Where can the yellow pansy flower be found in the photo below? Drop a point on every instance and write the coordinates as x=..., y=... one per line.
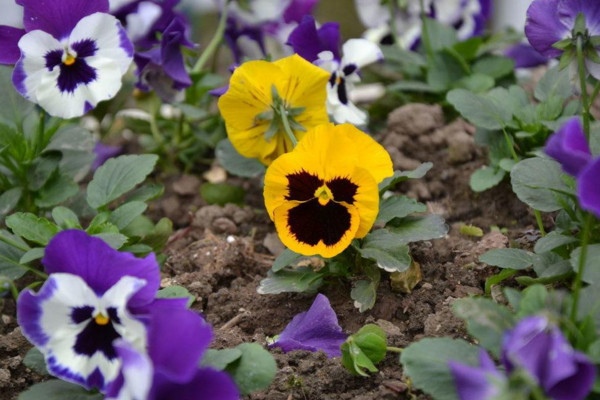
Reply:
x=265, y=96
x=325, y=192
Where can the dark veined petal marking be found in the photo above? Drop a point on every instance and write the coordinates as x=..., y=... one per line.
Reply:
x=94, y=338
x=85, y=48
x=342, y=189
x=341, y=91
x=349, y=69
x=71, y=76
x=80, y=314
x=53, y=59
x=311, y=222
x=302, y=186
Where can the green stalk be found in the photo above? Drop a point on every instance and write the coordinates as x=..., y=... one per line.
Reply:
x=286, y=125
x=394, y=349
x=510, y=145
x=215, y=42
x=426, y=39
x=538, y=218
x=585, y=238
x=584, y=94
x=595, y=93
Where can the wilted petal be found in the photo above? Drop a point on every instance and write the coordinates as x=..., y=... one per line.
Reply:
x=313, y=330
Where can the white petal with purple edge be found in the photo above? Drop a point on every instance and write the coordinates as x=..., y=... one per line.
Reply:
x=137, y=373
x=12, y=14
x=360, y=52
x=76, y=347
x=140, y=22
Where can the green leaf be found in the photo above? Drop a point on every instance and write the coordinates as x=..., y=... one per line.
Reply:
x=548, y=264
x=34, y=359
x=486, y=178
x=508, y=258
x=287, y=257
x=401, y=176
x=533, y=300
x=11, y=255
x=398, y=207
x=554, y=83
x=476, y=83
x=58, y=390
x=126, y=213
x=220, y=359
x=58, y=189
x=254, y=370
x=486, y=321
x=113, y=239
x=33, y=254
x=176, y=292
x=32, y=228
x=42, y=169
x=118, y=176
x=495, y=66
x=235, y=163
x=535, y=182
x=591, y=273
x=9, y=200
x=222, y=193
x=158, y=237
x=426, y=364
x=418, y=228
x=296, y=280
x=411, y=86
x=552, y=241
x=444, y=70
x=479, y=110
x=65, y=218
x=364, y=349
x=440, y=36
x=384, y=248
x=13, y=107
x=364, y=294
x=71, y=138
x=146, y=193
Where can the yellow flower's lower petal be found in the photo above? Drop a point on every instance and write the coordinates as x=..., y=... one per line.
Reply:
x=309, y=228
x=366, y=200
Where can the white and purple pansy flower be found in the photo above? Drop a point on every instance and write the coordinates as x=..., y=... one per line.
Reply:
x=11, y=30
x=322, y=47
x=73, y=55
x=93, y=296
x=169, y=369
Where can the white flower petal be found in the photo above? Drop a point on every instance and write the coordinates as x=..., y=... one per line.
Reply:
x=140, y=22
x=12, y=14
x=360, y=52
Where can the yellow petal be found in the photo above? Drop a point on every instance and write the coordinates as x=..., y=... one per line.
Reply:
x=307, y=232
x=366, y=200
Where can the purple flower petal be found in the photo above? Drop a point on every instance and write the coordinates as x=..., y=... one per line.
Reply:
x=313, y=330
x=308, y=42
x=569, y=147
x=570, y=9
x=297, y=9
x=58, y=17
x=473, y=383
x=177, y=338
x=525, y=56
x=9, y=44
x=100, y=266
x=526, y=346
x=588, y=189
x=206, y=384
x=173, y=64
x=544, y=27
x=103, y=153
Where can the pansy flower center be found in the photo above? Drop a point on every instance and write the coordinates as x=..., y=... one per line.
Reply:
x=324, y=195
x=100, y=319
x=69, y=59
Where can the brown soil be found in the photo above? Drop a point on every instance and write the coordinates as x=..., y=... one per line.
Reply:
x=221, y=254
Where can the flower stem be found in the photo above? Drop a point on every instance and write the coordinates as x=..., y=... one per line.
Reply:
x=585, y=238
x=395, y=349
x=214, y=42
x=582, y=82
x=286, y=125
x=538, y=218
x=510, y=145
x=425, y=30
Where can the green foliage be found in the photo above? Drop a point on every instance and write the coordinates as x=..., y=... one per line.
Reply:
x=508, y=258
x=176, y=292
x=34, y=359
x=235, y=163
x=222, y=193
x=58, y=390
x=364, y=349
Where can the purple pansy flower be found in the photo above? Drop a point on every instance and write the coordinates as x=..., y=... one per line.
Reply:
x=569, y=147
x=525, y=56
x=313, y=330
x=322, y=47
x=103, y=153
x=170, y=369
x=550, y=21
x=588, y=189
x=72, y=57
x=477, y=383
x=468, y=17
x=89, y=300
x=163, y=68
x=538, y=347
x=245, y=41
x=11, y=31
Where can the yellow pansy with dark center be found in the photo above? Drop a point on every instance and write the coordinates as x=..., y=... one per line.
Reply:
x=265, y=96
x=325, y=193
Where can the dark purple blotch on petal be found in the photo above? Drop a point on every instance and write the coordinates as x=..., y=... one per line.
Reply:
x=569, y=147
x=473, y=382
x=308, y=41
x=314, y=330
x=97, y=338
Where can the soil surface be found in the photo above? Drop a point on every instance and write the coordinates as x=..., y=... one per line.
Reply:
x=220, y=254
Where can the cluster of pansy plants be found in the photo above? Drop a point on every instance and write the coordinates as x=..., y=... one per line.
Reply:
x=100, y=322
x=326, y=185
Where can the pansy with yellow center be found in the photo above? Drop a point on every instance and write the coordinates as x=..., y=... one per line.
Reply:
x=325, y=192
x=270, y=105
